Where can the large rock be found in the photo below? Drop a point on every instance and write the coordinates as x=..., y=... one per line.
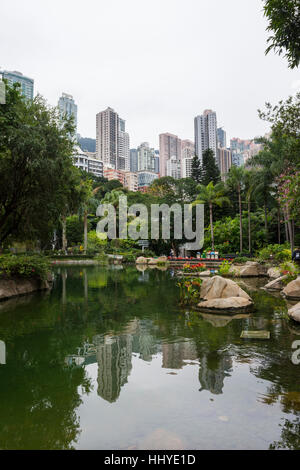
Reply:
x=141, y=260
x=204, y=273
x=220, y=287
x=292, y=290
x=274, y=273
x=228, y=304
x=13, y=287
x=161, y=259
x=276, y=284
x=294, y=312
x=250, y=269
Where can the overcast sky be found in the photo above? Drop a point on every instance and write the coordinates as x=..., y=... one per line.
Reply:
x=158, y=63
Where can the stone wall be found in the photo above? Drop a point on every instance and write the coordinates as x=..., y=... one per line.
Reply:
x=14, y=287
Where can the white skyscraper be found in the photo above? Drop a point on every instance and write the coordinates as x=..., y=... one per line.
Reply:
x=206, y=133
x=68, y=107
x=174, y=167
x=123, y=161
x=146, y=157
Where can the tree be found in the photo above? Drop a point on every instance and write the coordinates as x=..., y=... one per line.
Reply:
x=279, y=158
x=250, y=185
x=284, y=23
x=209, y=169
x=235, y=181
x=196, y=169
x=211, y=195
x=36, y=171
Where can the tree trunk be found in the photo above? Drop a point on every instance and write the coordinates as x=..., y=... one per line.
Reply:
x=64, y=233
x=241, y=225
x=85, y=231
x=266, y=219
x=249, y=224
x=278, y=226
x=211, y=227
x=286, y=226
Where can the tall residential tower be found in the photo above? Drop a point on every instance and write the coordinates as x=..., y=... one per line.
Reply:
x=112, y=141
x=206, y=133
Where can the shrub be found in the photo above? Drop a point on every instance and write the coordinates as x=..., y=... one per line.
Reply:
x=289, y=269
x=102, y=258
x=277, y=252
x=24, y=266
x=241, y=259
x=224, y=268
x=94, y=242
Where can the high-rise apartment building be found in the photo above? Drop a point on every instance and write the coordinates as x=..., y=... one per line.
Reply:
x=221, y=135
x=131, y=181
x=187, y=149
x=224, y=162
x=133, y=160
x=174, y=168
x=186, y=167
x=145, y=179
x=112, y=141
x=26, y=83
x=146, y=157
x=169, y=146
x=205, y=133
x=68, y=107
x=156, y=162
x=242, y=150
x=123, y=160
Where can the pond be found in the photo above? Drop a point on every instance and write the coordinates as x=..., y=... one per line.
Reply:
x=109, y=360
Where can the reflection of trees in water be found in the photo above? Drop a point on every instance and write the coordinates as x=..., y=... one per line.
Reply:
x=290, y=436
x=38, y=402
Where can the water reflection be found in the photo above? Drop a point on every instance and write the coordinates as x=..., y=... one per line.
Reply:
x=114, y=344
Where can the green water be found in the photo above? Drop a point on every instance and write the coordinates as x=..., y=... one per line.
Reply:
x=108, y=360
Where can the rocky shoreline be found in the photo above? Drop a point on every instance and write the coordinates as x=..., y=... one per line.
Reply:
x=20, y=286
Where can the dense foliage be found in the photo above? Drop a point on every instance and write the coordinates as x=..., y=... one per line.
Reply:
x=284, y=24
x=34, y=266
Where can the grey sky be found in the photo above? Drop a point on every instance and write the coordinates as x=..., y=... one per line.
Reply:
x=157, y=63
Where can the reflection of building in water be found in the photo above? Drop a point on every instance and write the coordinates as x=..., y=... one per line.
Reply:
x=114, y=364
x=2, y=353
x=174, y=354
x=213, y=370
x=143, y=340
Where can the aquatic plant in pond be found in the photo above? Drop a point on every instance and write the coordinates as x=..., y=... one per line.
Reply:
x=189, y=291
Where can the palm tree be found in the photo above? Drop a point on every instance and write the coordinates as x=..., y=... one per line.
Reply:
x=250, y=179
x=211, y=195
x=235, y=181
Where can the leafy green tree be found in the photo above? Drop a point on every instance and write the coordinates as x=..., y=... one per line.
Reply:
x=196, y=169
x=284, y=25
x=250, y=185
x=36, y=171
x=235, y=181
x=209, y=169
x=211, y=195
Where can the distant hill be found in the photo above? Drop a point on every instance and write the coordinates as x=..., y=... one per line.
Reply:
x=87, y=144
